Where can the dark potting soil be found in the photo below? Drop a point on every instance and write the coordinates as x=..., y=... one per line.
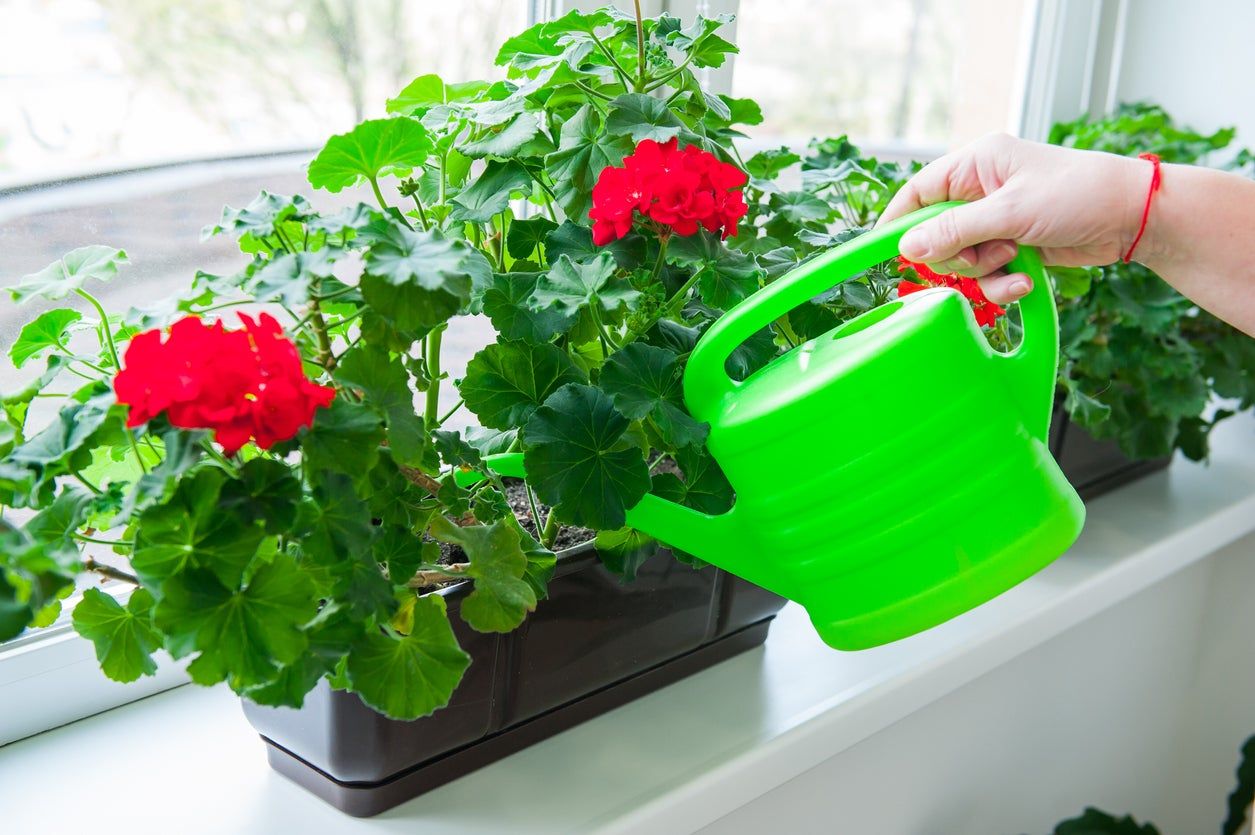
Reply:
x=516, y=497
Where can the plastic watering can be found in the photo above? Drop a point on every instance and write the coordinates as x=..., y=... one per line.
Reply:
x=889, y=474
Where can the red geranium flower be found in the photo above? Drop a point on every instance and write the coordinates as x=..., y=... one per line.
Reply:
x=243, y=384
x=683, y=190
x=987, y=312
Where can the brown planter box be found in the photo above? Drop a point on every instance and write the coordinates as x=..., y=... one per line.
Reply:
x=595, y=644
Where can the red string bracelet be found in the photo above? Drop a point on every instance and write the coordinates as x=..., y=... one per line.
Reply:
x=1155, y=179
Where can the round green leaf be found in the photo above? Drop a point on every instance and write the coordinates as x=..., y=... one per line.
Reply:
x=123, y=636
x=46, y=331
x=406, y=677
x=69, y=273
x=579, y=461
x=507, y=381
x=373, y=148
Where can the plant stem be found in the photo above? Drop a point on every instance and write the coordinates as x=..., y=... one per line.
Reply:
x=422, y=214
x=374, y=185
x=501, y=247
x=663, y=81
x=96, y=541
x=79, y=476
x=451, y=412
x=104, y=327
x=601, y=328
x=436, y=575
x=640, y=47
x=319, y=324
x=431, y=413
x=420, y=478
x=591, y=91
x=618, y=68
x=531, y=502
x=135, y=450
x=217, y=456
x=550, y=531
x=109, y=571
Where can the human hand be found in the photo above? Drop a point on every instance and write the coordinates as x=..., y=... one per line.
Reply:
x=1081, y=208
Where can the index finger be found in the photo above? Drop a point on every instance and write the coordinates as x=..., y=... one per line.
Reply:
x=935, y=183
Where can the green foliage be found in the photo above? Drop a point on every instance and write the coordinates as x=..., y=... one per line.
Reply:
x=374, y=148
x=1140, y=361
x=321, y=556
x=69, y=273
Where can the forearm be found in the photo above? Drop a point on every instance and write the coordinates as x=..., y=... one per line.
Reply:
x=1200, y=238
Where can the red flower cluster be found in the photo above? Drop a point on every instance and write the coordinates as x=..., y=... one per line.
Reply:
x=243, y=384
x=682, y=189
x=986, y=311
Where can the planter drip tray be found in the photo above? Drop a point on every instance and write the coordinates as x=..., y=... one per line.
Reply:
x=363, y=799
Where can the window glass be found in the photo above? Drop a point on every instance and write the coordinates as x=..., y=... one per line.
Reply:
x=97, y=84
x=96, y=95
x=918, y=74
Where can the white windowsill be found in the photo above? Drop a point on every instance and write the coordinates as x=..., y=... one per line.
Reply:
x=673, y=761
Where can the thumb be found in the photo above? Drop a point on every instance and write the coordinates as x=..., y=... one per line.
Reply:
x=949, y=233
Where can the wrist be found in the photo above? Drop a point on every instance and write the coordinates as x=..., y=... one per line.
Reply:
x=1141, y=233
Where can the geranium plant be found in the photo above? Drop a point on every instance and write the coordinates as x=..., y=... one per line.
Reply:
x=265, y=458
x=1140, y=362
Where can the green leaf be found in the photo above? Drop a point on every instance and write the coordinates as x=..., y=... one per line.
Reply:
x=800, y=207
x=454, y=450
x=508, y=304
x=541, y=562
x=584, y=150
x=48, y=330
x=417, y=279
x=573, y=241
x=725, y=276
x=123, y=636
x=375, y=147
x=642, y=117
x=266, y=491
x=411, y=676
x=490, y=195
x=502, y=597
x=345, y=438
x=193, y=530
x=528, y=235
x=703, y=487
x=507, y=381
x=767, y=165
x=67, y=435
x=181, y=450
x=625, y=550
x=570, y=287
x=427, y=90
x=260, y=219
x=645, y=380
x=287, y=278
x=243, y=636
x=69, y=273
x=335, y=521
x=506, y=141
x=385, y=387
x=579, y=461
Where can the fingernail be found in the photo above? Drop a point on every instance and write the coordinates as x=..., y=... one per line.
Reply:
x=1007, y=251
x=914, y=246
x=1020, y=287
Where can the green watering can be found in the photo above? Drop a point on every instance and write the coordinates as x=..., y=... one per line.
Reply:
x=889, y=474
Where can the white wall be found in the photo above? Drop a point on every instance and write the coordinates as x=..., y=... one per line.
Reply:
x=1141, y=709
x=1195, y=58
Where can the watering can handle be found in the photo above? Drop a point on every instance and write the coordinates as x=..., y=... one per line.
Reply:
x=707, y=384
